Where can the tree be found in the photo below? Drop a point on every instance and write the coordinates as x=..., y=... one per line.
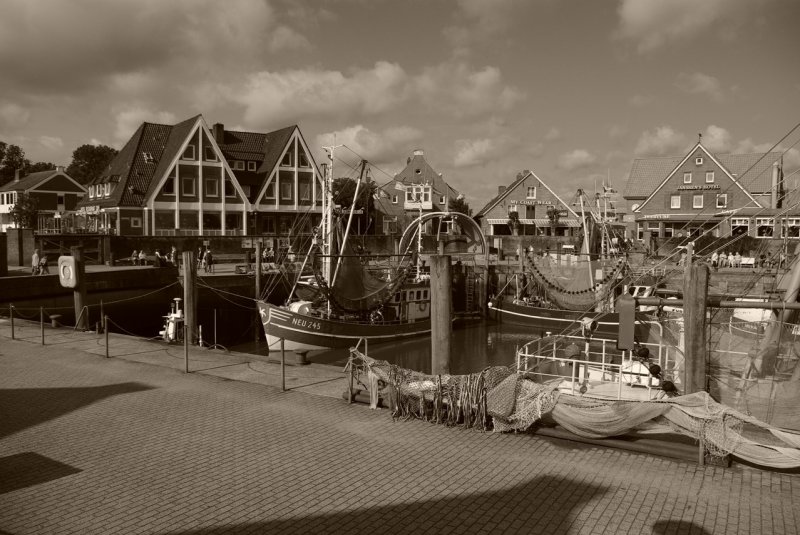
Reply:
x=25, y=211
x=90, y=162
x=344, y=190
x=13, y=159
x=460, y=205
x=513, y=222
x=40, y=166
x=553, y=216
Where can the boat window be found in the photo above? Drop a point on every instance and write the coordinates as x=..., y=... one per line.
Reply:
x=419, y=295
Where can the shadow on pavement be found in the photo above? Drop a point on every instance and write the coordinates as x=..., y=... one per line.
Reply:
x=28, y=469
x=21, y=408
x=542, y=505
x=662, y=527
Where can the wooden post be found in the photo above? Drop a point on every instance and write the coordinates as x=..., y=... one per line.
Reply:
x=258, y=287
x=186, y=331
x=11, y=315
x=79, y=293
x=190, y=296
x=695, y=294
x=441, y=310
x=283, y=369
x=41, y=322
x=102, y=316
x=105, y=329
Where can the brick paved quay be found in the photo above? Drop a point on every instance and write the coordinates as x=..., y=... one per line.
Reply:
x=131, y=444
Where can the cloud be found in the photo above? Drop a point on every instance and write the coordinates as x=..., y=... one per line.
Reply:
x=49, y=46
x=716, y=139
x=128, y=120
x=652, y=24
x=50, y=142
x=479, y=21
x=386, y=146
x=455, y=88
x=640, y=101
x=616, y=131
x=470, y=152
x=13, y=115
x=554, y=134
x=700, y=84
x=661, y=142
x=576, y=159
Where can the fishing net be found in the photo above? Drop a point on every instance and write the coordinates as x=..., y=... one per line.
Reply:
x=574, y=285
x=499, y=399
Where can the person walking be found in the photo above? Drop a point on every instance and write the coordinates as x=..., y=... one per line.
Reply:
x=43, y=265
x=35, y=262
x=208, y=261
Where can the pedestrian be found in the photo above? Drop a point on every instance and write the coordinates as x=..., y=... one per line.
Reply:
x=173, y=256
x=200, y=254
x=159, y=260
x=723, y=260
x=35, y=262
x=714, y=260
x=43, y=265
x=682, y=260
x=737, y=260
x=142, y=258
x=135, y=258
x=208, y=261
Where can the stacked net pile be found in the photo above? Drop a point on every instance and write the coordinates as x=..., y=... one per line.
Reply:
x=502, y=400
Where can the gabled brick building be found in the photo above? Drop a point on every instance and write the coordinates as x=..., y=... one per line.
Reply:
x=191, y=180
x=701, y=192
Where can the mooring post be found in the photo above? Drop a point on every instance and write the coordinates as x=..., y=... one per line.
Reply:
x=102, y=317
x=79, y=293
x=11, y=315
x=695, y=295
x=105, y=330
x=441, y=310
x=258, y=288
x=189, y=297
x=41, y=322
x=283, y=368
x=186, y=348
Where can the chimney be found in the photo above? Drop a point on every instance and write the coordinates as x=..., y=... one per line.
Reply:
x=16, y=175
x=419, y=152
x=774, y=189
x=219, y=133
x=59, y=169
x=501, y=190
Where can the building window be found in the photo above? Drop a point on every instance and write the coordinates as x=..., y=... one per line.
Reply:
x=709, y=177
x=531, y=192
x=687, y=177
x=740, y=226
x=791, y=228
x=269, y=194
x=169, y=186
x=107, y=188
x=722, y=200
x=238, y=165
x=394, y=199
x=251, y=166
x=639, y=232
x=765, y=227
x=513, y=208
x=675, y=202
x=698, y=160
x=442, y=200
x=187, y=185
x=60, y=199
x=211, y=154
x=286, y=191
x=136, y=222
x=91, y=192
x=389, y=225
x=212, y=187
x=669, y=230
x=697, y=201
x=188, y=154
x=230, y=190
x=288, y=160
x=303, y=160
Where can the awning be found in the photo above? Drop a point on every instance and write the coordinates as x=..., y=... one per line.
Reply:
x=569, y=223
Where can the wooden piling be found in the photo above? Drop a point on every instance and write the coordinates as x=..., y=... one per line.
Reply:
x=441, y=313
x=79, y=293
x=190, y=296
x=695, y=296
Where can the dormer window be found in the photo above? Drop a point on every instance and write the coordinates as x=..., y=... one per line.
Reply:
x=442, y=200
x=251, y=166
x=698, y=160
x=188, y=154
x=91, y=192
x=238, y=165
x=394, y=199
x=148, y=157
x=107, y=189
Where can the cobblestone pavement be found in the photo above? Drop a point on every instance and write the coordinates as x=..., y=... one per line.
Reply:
x=94, y=445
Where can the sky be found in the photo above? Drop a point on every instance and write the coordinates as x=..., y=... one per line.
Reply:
x=571, y=90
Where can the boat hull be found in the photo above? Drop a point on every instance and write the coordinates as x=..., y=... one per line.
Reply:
x=555, y=321
x=302, y=332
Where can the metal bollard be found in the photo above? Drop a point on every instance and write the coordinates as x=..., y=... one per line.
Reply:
x=283, y=371
x=105, y=328
x=186, y=348
x=41, y=322
x=11, y=315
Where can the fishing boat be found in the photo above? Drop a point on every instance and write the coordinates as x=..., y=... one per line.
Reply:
x=556, y=293
x=353, y=296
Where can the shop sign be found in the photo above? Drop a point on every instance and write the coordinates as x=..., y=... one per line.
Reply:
x=703, y=186
x=529, y=202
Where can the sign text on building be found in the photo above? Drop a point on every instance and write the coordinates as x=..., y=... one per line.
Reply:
x=704, y=186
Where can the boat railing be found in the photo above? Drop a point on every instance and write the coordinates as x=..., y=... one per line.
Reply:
x=595, y=366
